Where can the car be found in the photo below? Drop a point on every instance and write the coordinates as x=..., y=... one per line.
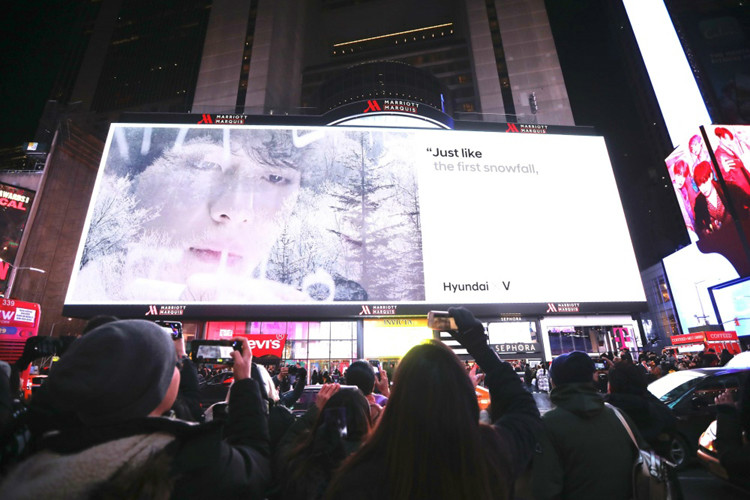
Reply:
x=690, y=394
x=306, y=400
x=709, y=458
x=741, y=360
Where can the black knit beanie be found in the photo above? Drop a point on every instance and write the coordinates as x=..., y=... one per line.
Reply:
x=117, y=371
x=570, y=368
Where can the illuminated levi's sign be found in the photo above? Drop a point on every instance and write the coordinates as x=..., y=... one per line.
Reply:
x=265, y=344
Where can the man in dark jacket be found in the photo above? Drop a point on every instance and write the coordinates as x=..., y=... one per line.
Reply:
x=655, y=421
x=585, y=452
x=105, y=437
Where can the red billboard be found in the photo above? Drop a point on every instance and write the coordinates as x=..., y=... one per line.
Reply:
x=15, y=205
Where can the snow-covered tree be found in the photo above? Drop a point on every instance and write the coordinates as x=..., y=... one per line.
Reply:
x=115, y=221
x=371, y=220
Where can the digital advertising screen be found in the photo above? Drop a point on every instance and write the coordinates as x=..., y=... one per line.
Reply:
x=292, y=223
x=15, y=206
x=714, y=198
x=732, y=303
x=691, y=274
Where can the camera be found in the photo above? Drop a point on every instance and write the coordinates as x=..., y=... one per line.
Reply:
x=600, y=365
x=215, y=352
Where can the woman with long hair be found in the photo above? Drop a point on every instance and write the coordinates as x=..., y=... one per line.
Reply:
x=429, y=442
x=320, y=440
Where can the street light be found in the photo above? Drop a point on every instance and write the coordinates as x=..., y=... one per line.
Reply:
x=12, y=278
x=19, y=268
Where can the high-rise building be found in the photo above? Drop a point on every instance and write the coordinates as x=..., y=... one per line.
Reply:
x=471, y=60
x=492, y=59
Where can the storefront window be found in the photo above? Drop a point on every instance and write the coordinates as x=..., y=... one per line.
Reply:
x=318, y=349
x=392, y=338
x=563, y=340
x=343, y=331
x=298, y=349
x=319, y=331
x=343, y=349
x=324, y=344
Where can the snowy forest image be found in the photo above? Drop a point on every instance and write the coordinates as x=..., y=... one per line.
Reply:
x=358, y=221
x=338, y=221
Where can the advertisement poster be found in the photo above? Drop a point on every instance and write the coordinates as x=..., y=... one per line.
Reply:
x=285, y=222
x=15, y=205
x=707, y=205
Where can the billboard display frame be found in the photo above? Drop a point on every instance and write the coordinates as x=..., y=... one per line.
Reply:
x=712, y=187
x=354, y=305
x=15, y=208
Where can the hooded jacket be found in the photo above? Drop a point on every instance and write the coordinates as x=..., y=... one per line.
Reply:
x=165, y=458
x=584, y=451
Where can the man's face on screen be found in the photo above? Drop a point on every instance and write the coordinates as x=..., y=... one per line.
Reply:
x=222, y=208
x=707, y=188
x=679, y=180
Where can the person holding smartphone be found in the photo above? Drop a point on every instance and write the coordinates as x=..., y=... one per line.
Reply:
x=429, y=442
x=101, y=432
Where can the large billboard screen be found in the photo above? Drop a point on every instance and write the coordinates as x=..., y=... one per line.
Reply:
x=15, y=206
x=709, y=192
x=731, y=301
x=339, y=222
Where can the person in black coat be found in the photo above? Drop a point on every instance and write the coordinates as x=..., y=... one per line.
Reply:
x=429, y=442
x=105, y=436
x=628, y=392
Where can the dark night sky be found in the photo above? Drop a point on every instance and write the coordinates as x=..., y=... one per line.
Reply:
x=37, y=37
x=601, y=91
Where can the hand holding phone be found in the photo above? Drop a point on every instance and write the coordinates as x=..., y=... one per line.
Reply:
x=441, y=321
x=243, y=358
x=325, y=394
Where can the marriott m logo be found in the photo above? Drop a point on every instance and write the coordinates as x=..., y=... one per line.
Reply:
x=512, y=127
x=365, y=310
x=372, y=106
x=551, y=308
x=152, y=311
x=206, y=119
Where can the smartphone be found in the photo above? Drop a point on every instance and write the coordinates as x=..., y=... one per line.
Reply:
x=336, y=418
x=376, y=367
x=441, y=321
x=600, y=366
x=215, y=352
x=174, y=328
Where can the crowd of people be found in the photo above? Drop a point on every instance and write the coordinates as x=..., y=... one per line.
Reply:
x=119, y=418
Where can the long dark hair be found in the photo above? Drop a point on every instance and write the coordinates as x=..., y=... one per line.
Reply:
x=429, y=443
x=311, y=463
